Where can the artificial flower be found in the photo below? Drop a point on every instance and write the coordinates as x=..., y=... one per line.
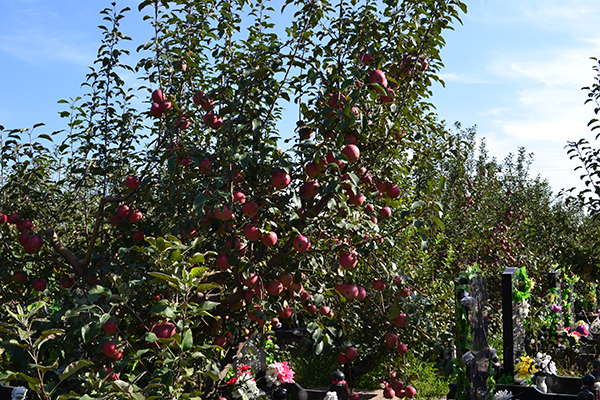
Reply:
x=278, y=373
x=503, y=395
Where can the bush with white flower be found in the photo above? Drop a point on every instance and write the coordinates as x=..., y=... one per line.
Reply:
x=243, y=384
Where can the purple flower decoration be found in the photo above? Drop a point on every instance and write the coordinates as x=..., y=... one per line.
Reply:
x=556, y=308
x=582, y=330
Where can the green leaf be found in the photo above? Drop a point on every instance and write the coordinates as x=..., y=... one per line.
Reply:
x=208, y=305
x=89, y=331
x=165, y=277
x=318, y=348
x=199, y=202
x=73, y=368
x=188, y=340
x=47, y=335
x=44, y=368
x=196, y=258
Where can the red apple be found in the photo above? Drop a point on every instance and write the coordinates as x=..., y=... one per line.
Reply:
x=351, y=138
x=350, y=353
x=164, y=330
x=205, y=166
x=109, y=349
x=25, y=225
x=286, y=279
x=301, y=244
x=250, y=280
x=352, y=152
x=250, y=209
x=410, y=392
x=109, y=327
x=398, y=280
x=324, y=310
x=156, y=110
x=336, y=100
x=203, y=100
x=309, y=189
x=212, y=120
x=348, y=260
x=285, y=313
x=404, y=292
x=13, y=218
x=66, y=281
x=137, y=236
x=251, y=233
x=385, y=212
x=312, y=169
x=378, y=284
x=3, y=218
x=135, y=216
x=350, y=291
x=23, y=238
x=393, y=191
x=402, y=349
x=401, y=320
x=223, y=214
x=342, y=358
x=358, y=199
x=158, y=96
x=20, y=276
x=367, y=58
x=132, y=182
x=275, y=288
x=269, y=239
x=123, y=210
x=391, y=339
x=378, y=76
x=182, y=123
x=239, y=197
x=39, y=285
x=389, y=393
x=397, y=386
x=354, y=396
x=362, y=293
x=280, y=179
x=223, y=261
x=114, y=220
x=311, y=308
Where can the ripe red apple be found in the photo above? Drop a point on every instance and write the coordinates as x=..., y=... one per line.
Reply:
x=164, y=330
x=182, y=123
x=212, y=120
x=352, y=152
x=378, y=284
x=250, y=209
x=109, y=349
x=350, y=353
x=401, y=394
x=137, y=236
x=367, y=58
x=269, y=239
x=336, y=100
x=348, y=260
x=378, y=76
x=220, y=341
x=398, y=280
x=239, y=197
x=20, y=276
x=250, y=280
x=410, y=392
x=391, y=339
x=312, y=169
x=13, y=218
x=354, y=396
x=123, y=210
x=275, y=288
x=285, y=313
x=324, y=310
x=223, y=214
x=309, y=189
x=158, y=96
x=301, y=244
x=251, y=232
x=389, y=393
x=350, y=291
x=393, y=191
x=286, y=279
x=135, y=216
x=35, y=242
x=397, y=386
x=404, y=292
x=156, y=110
x=385, y=212
x=280, y=179
x=401, y=320
x=342, y=358
x=3, y=218
x=205, y=166
x=223, y=261
x=304, y=295
x=66, y=281
x=132, y=182
x=109, y=327
x=358, y=199
x=203, y=100
x=25, y=225
x=114, y=220
x=311, y=308
x=402, y=349
x=39, y=285
x=362, y=293
x=23, y=238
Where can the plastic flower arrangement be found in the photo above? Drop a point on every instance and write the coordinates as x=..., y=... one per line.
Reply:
x=582, y=328
x=503, y=395
x=526, y=368
x=279, y=373
x=243, y=384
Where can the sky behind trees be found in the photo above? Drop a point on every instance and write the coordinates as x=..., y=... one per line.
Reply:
x=515, y=69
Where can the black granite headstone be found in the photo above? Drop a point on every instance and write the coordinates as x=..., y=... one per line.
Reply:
x=513, y=330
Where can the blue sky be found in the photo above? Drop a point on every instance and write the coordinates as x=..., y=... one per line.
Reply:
x=515, y=69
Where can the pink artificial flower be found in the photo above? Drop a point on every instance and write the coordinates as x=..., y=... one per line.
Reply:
x=231, y=381
x=286, y=375
x=582, y=329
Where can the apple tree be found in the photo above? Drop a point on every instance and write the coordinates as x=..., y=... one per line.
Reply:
x=173, y=222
